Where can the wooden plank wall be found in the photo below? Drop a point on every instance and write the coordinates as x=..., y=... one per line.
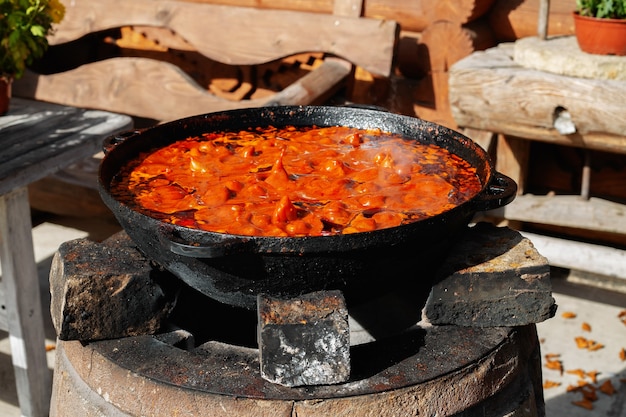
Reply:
x=434, y=35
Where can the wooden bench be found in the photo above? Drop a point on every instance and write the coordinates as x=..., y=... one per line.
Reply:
x=238, y=36
x=494, y=98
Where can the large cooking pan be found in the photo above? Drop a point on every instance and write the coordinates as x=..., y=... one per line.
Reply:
x=235, y=269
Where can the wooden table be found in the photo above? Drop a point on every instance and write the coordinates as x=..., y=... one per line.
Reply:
x=36, y=139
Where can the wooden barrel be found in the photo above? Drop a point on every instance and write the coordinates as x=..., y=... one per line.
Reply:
x=486, y=372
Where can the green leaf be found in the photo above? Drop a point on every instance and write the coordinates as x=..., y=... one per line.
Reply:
x=38, y=30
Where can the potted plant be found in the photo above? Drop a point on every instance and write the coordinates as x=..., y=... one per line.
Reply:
x=24, y=27
x=600, y=26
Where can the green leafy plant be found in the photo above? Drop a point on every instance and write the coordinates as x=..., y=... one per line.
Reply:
x=611, y=9
x=24, y=27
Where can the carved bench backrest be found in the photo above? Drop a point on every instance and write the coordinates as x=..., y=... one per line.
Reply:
x=232, y=35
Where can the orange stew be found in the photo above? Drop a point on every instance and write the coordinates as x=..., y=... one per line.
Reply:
x=296, y=181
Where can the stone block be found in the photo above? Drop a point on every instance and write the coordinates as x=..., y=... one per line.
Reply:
x=106, y=290
x=304, y=340
x=493, y=277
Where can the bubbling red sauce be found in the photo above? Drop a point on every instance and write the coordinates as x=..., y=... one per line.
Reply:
x=314, y=181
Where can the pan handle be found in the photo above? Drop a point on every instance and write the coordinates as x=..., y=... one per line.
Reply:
x=206, y=250
x=109, y=143
x=500, y=191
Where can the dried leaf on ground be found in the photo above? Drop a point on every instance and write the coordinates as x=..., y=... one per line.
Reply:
x=578, y=372
x=551, y=384
x=607, y=387
x=584, y=404
x=589, y=392
x=584, y=343
x=555, y=365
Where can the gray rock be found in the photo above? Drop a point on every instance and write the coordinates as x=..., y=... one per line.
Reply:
x=305, y=340
x=104, y=291
x=493, y=277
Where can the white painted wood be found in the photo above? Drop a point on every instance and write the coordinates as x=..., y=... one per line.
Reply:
x=580, y=256
x=23, y=305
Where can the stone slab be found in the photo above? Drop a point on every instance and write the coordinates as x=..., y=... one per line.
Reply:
x=304, y=340
x=561, y=55
x=493, y=277
x=105, y=290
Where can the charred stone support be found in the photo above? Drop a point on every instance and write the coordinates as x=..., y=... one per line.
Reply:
x=304, y=340
x=493, y=277
x=106, y=290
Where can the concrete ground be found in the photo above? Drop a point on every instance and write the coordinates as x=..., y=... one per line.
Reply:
x=596, y=318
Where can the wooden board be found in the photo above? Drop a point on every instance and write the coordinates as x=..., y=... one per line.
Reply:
x=241, y=35
x=568, y=211
x=413, y=15
x=158, y=90
x=20, y=284
x=40, y=138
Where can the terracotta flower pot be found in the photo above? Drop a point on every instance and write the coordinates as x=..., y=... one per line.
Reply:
x=5, y=95
x=600, y=36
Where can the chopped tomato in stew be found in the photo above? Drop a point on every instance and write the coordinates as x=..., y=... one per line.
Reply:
x=292, y=181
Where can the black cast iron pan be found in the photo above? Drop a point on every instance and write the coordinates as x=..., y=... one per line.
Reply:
x=235, y=269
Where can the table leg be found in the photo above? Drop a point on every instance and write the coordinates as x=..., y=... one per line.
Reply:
x=23, y=304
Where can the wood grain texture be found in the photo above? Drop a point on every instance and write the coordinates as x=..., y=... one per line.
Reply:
x=581, y=256
x=513, y=20
x=40, y=138
x=159, y=90
x=488, y=91
x=414, y=15
x=241, y=35
x=512, y=159
x=569, y=211
x=23, y=304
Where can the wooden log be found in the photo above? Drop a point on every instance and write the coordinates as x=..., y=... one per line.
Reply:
x=447, y=42
x=489, y=92
x=513, y=20
x=581, y=256
x=414, y=15
x=268, y=34
x=458, y=11
x=348, y=7
x=441, y=45
x=317, y=6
